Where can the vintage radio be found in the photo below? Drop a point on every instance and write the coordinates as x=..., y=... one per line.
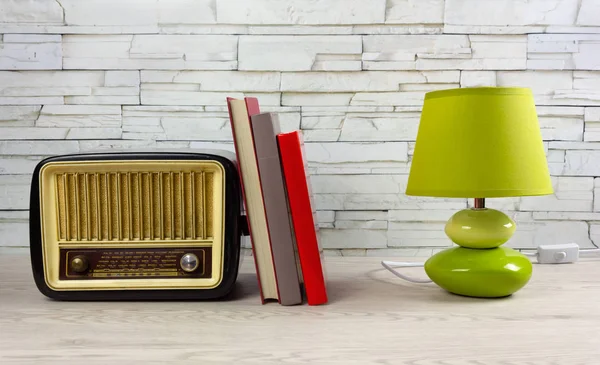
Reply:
x=136, y=225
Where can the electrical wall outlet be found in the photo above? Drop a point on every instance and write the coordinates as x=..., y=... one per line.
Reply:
x=558, y=254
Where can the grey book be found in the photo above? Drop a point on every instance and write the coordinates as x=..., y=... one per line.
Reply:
x=265, y=128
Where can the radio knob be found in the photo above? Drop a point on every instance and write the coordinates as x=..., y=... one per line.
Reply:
x=79, y=264
x=189, y=262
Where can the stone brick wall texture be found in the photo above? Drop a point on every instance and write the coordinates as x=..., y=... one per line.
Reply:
x=84, y=75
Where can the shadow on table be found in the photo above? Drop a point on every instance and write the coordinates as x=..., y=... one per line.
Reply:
x=246, y=286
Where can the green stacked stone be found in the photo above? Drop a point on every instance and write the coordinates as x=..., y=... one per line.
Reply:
x=479, y=267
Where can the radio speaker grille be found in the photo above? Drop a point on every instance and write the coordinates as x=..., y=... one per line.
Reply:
x=117, y=206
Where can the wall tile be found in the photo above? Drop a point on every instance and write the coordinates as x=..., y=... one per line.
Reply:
x=508, y=13
x=582, y=163
x=570, y=194
x=150, y=51
x=556, y=87
x=14, y=192
x=232, y=81
x=103, y=145
x=30, y=52
x=18, y=165
x=347, y=238
x=563, y=52
x=407, y=98
x=364, y=184
x=592, y=125
x=38, y=148
x=31, y=12
x=14, y=228
x=314, y=99
x=380, y=127
x=532, y=234
x=588, y=13
x=420, y=215
x=561, y=123
x=372, y=225
x=355, y=154
x=63, y=87
x=387, y=52
x=300, y=29
x=79, y=116
x=302, y=53
x=19, y=116
x=31, y=133
x=477, y=78
x=363, y=81
x=417, y=235
x=94, y=133
x=138, y=12
x=356, y=215
x=300, y=12
x=415, y=12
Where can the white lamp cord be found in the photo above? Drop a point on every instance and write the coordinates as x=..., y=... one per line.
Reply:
x=573, y=247
x=590, y=250
x=388, y=265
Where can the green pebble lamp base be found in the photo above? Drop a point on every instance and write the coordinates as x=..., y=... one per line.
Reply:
x=488, y=271
x=484, y=273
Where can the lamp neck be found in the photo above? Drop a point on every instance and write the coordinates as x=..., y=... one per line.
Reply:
x=479, y=203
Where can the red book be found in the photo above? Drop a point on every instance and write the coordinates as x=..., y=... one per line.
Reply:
x=291, y=150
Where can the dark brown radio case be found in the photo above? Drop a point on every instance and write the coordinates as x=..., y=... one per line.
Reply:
x=136, y=225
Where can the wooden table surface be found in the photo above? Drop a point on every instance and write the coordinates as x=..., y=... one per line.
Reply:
x=372, y=318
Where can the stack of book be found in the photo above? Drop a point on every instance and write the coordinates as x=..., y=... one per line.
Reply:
x=279, y=207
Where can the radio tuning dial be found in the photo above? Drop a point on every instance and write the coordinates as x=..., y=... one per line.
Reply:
x=79, y=264
x=189, y=262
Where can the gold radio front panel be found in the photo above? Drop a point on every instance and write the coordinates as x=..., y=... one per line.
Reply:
x=137, y=224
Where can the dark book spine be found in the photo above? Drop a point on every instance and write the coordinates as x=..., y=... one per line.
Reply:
x=265, y=128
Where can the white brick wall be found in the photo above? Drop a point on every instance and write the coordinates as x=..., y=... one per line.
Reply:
x=103, y=74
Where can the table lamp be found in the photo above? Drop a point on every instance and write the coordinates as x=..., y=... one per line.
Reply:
x=481, y=142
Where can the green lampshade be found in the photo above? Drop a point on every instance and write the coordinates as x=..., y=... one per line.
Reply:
x=479, y=143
